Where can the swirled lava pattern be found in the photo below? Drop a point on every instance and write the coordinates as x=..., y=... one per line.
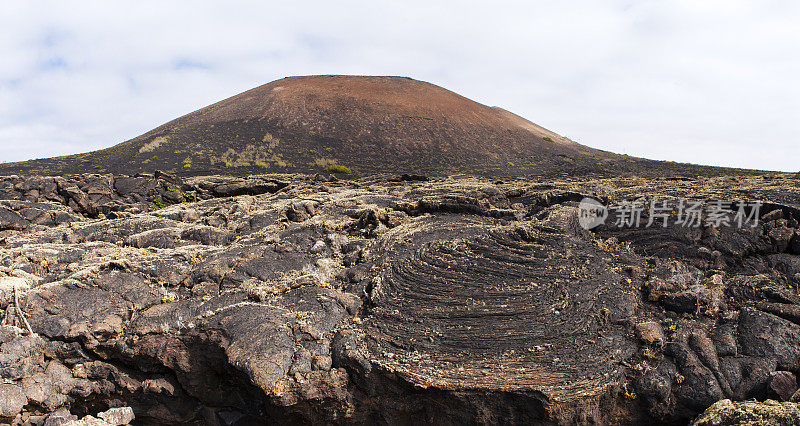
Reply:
x=460, y=305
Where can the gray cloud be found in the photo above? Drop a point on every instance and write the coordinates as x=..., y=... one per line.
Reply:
x=707, y=82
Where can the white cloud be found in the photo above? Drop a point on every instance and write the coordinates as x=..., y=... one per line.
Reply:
x=709, y=82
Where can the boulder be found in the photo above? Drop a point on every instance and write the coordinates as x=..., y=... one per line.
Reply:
x=12, y=400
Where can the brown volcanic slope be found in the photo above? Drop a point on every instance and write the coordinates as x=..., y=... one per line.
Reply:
x=368, y=124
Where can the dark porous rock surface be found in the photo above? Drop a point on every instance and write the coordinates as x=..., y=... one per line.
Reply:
x=727, y=412
x=391, y=300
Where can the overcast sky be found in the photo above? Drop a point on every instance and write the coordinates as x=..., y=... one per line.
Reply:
x=712, y=82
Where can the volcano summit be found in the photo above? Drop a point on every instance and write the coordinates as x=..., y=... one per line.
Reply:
x=369, y=125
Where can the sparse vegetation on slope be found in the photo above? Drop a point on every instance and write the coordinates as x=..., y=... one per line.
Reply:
x=337, y=168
